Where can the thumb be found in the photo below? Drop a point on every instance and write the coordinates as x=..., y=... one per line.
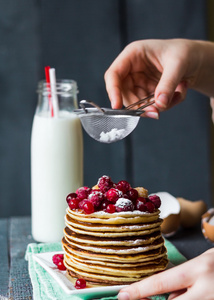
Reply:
x=169, y=83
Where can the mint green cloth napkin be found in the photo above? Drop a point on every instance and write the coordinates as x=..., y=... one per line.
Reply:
x=46, y=288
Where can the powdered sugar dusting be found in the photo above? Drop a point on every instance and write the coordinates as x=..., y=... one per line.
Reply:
x=97, y=193
x=135, y=213
x=101, y=178
x=123, y=202
x=112, y=135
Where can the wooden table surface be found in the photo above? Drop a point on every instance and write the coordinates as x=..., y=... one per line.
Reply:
x=15, y=235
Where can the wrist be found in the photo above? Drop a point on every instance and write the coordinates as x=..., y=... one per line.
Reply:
x=205, y=74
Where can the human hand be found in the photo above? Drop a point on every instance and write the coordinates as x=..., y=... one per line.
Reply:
x=166, y=67
x=192, y=280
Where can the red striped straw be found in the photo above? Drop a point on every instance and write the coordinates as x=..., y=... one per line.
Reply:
x=47, y=76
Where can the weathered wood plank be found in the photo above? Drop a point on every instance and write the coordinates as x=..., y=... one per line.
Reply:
x=4, y=261
x=19, y=237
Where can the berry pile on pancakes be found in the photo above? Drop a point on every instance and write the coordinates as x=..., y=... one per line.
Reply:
x=112, y=234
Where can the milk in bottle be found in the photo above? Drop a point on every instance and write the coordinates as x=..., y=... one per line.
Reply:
x=56, y=160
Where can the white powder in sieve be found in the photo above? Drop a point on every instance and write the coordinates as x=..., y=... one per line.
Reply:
x=111, y=136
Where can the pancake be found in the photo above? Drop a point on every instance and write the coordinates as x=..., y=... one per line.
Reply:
x=120, y=249
x=133, y=272
x=139, y=257
x=107, y=241
x=110, y=227
x=115, y=234
x=127, y=217
x=113, y=263
x=113, y=248
x=114, y=276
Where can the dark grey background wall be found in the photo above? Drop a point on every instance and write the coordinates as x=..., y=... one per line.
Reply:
x=80, y=39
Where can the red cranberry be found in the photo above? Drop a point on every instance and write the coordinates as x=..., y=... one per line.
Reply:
x=81, y=203
x=140, y=205
x=105, y=183
x=88, y=207
x=74, y=203
x=123, y=186
x=123, y=204
x=96, y=198
x=155, y=200
x=104, y=204
x=61, y=266
x=150, y=207
x=132, y=194
x=71, y=196
x=113, y=195
x=142, y=199
x=83, y=192
x=110, y=208
x=80, y=283
x=57, y=258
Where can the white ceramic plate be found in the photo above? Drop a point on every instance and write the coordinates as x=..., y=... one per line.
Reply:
x=45, y=260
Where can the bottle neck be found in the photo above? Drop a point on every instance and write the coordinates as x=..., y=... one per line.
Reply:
x=60, y=97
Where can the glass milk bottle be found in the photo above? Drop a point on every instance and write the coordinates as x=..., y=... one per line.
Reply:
x=56, y=159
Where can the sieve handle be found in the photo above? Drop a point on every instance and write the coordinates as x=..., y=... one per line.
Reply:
x=145, y=105
x=84, y=102
x=147, y=101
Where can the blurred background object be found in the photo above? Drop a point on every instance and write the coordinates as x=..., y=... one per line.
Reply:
x=80, y=39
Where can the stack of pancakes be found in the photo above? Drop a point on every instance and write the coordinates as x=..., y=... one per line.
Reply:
x=113, y=249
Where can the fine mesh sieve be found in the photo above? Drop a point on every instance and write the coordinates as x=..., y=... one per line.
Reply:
x=110, y=125
x=108, y=128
